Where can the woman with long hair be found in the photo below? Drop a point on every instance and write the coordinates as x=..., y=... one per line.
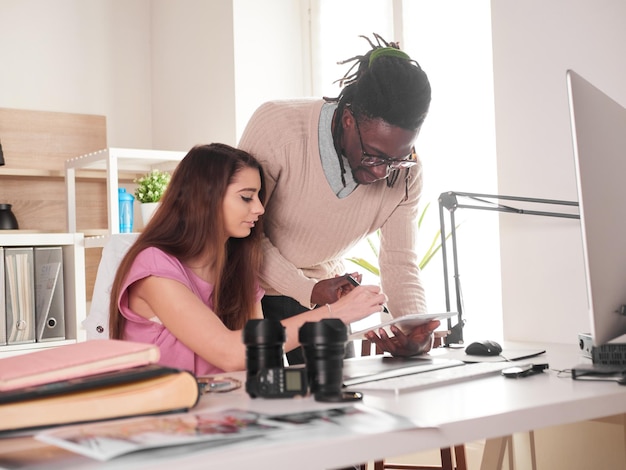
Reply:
x=190, y=282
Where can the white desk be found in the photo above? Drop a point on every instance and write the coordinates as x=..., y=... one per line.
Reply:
x=464, y=412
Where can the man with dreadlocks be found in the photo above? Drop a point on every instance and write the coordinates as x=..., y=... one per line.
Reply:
x=337, y=170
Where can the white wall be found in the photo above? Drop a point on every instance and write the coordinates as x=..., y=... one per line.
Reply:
x=162, y=72
x=193, y=73
x=214, y=62
x=535, y=42
x=271, y=48
x=79, y=56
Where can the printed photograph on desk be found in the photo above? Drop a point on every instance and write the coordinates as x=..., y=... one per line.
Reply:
x=357, y=419
x=110, y=439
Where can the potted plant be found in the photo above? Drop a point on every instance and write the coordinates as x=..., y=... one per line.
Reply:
x=150, y=190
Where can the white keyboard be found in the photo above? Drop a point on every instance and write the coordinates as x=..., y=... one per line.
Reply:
x=436, y=378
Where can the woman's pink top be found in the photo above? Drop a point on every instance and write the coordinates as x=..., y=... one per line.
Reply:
x=154, y=262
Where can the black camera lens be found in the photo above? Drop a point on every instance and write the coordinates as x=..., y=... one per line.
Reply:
x=324, y=345
x=264, y=340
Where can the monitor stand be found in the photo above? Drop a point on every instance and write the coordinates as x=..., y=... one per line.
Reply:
x=606, y=354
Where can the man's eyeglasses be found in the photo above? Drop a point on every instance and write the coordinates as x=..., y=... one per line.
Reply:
x=367, y=159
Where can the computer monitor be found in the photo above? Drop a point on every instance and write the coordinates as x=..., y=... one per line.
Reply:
x=599, y=137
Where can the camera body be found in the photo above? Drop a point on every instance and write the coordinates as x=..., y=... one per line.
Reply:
x=279, y=382
x=323, y=343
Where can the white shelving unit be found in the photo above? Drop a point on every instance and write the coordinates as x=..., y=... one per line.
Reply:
x=73, y=246
x=113, y=160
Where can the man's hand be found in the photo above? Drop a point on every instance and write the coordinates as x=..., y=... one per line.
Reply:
x=328, y=291
x=417, y=341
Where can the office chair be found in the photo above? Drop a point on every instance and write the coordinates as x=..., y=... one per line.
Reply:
x=447, y=462
x=97, y=322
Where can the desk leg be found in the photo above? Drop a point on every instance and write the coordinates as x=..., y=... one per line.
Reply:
x=624, y=429
x=620, y=420
x=493, y=455
x=531, y=446
x=495, y=450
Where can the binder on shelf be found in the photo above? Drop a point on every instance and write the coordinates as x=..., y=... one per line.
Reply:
x=19, y=295
x=3, y=317
x=49, y=297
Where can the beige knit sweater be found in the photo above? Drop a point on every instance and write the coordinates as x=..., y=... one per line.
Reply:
x=309, y=229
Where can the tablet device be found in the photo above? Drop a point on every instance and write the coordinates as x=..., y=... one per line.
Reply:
x=405, y=323
x=359, y=370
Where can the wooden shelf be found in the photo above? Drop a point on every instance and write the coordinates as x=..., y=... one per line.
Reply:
x=84, y=174
x=36, y=145
x=97, y=241
x=30, y=172
x=73, y=246
x=115, y=162
x=15, y=349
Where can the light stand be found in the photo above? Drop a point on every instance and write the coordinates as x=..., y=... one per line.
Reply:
x=490, y=202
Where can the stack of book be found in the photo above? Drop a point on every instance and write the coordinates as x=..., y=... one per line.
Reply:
x=90, y=381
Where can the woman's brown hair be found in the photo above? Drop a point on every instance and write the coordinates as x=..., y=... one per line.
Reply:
x=189, y=223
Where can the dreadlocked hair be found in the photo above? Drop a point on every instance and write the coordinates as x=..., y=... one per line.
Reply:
x=384, y=83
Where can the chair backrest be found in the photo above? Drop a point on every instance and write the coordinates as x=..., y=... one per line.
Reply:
x=97, y=322
x=367, y=346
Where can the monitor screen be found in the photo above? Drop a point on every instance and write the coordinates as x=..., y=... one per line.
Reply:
x=599, y=137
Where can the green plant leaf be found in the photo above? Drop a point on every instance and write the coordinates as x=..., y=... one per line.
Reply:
x=374, y=242
x=421, y=217
x=374, y=245
x=365, y=265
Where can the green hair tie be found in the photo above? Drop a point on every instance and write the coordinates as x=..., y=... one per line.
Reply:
x=388, y=52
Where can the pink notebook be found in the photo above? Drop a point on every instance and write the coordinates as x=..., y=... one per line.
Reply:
x=73, y=360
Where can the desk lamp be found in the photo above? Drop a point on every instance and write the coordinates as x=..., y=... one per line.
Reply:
x=449, y=200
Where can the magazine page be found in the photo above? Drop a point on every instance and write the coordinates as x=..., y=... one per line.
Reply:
x=356, y=419
x=107, y=440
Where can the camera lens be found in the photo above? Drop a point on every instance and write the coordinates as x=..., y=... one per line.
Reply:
x=324, y=345
x=264, y=339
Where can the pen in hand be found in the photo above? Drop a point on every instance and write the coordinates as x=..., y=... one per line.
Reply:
x=355, y=283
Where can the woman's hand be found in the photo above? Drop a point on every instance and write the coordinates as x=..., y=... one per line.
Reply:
x=359, y=303
x=417, y=341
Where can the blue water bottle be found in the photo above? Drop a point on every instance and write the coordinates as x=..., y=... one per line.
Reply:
x=126, y=201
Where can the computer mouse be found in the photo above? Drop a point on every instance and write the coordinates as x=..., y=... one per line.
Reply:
x=484, y=347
